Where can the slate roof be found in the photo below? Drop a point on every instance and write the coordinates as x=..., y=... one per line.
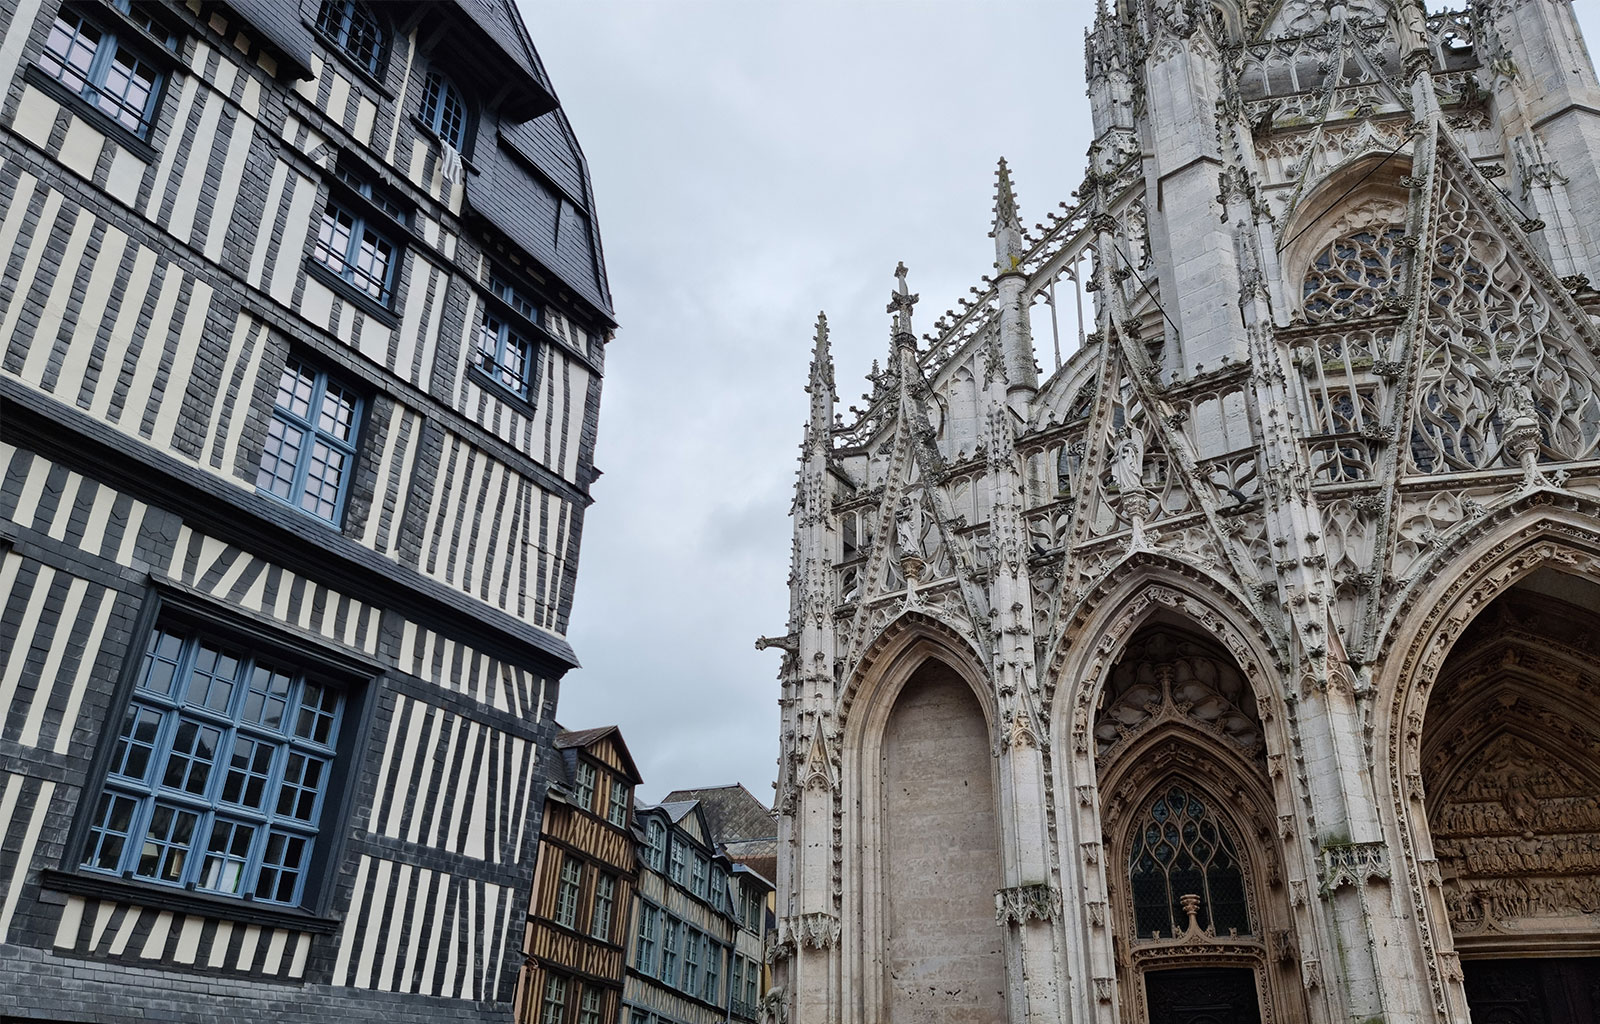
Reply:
x=732, y=812
x=577, y=739
x=281, y=23
x=532, y=183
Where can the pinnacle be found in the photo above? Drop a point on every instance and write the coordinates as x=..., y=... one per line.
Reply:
x=821, y=357
x=1005, y=200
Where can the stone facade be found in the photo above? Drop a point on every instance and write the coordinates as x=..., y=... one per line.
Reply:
x=1246, y=659
x=302, y=325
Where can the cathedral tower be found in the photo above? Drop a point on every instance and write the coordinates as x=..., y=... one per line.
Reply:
x=1245, y=663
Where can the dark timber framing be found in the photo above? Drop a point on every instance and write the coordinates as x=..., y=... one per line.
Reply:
x=151, y=291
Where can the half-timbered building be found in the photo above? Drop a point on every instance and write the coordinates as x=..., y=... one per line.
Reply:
x=698, y=924
x=302, y=315
x=577, y=931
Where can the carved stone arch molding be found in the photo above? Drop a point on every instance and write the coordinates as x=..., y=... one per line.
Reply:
x=1330, y=211
x=1544, y=530
x=1151, y=590
x=916, y=721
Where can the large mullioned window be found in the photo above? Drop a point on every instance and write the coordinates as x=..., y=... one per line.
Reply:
x=352, y=245
x=219, y=772
x=97, y=64
x=311, y=441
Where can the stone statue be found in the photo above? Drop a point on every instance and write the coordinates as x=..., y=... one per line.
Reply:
x=1127, y=462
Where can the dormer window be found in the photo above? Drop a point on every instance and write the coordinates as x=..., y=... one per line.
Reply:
x=444, y=111
x=353, y=28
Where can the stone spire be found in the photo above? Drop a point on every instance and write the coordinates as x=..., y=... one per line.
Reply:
x=820, y=386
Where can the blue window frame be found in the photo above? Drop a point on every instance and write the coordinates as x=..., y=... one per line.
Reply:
x=308, y=456
x=97, y=64
x=351, y=245
x=507, y=351
x=218, y=774
x=649, y=937
x=352, y=27
x=444, y=111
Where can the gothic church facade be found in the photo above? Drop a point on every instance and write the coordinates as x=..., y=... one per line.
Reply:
x=1244, y=666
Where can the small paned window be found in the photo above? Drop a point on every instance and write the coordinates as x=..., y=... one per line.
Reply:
x=506, y=348
x=649, y=931
x=736, y=978
x=352, y=27
x=752, y=983
x=554, y=1006
x=218, y=773
x=617, y=805
x=311, y=441
x=639, y=1017
x=691, y=961
x=589, y=1007
x=583, y=786
x=712, y=989
x=567, y=892
x=669, y=952
x=605, y=897
x=351, y=246
x=697, y=880
x=444, y=111
x=655, y=841
x=679, y=860
x=1182, y=849
x=98, y=65
x=719, y=888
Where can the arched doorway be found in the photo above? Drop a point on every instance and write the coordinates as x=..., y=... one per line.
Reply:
x=1201, y=923
x=941, y=858
x=1510, y=764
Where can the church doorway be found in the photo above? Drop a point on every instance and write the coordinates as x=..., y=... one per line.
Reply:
x=1203, y=995
x=1511, y=781
x=1552, y=990
x=1203, y=928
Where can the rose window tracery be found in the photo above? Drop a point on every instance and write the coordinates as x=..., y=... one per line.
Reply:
x=1181, y=850
x=1354, y=275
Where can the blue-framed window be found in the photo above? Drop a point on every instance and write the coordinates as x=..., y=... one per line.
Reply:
x=719, y=888
x=98, y=64
x=310, y=449
x=644, y=957
x=680, y=855
x=669, y=951
x=713, y=979
x=219, y=772
x=697, y=879
x=352, y=27
x=351, y=244
x=692, y=944
x=444, y=110
x=507, y=351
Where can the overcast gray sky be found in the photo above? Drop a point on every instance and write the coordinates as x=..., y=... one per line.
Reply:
x=754, y=163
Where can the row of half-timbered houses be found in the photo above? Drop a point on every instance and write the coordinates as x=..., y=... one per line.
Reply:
x=302, y=324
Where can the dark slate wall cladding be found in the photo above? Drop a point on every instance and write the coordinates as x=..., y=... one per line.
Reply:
x=151, y=292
